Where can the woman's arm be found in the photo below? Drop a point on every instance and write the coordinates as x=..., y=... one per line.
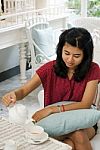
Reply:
x=28, y=87
x=21, y=92
x=88, y=97
x=86, y=102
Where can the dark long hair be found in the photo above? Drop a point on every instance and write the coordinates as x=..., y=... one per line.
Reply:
x=77, y=37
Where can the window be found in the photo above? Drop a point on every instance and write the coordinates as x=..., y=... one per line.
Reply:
x=74, y=5
x=94, y=8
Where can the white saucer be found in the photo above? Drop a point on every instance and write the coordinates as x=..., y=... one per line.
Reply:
x=32, y=141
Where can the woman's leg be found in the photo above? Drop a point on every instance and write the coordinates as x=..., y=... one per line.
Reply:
x=65, y=139
x=69, y=142
x=90, y=132
x=81, y=138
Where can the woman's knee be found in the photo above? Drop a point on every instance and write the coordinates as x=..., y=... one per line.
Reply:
x=79, y=136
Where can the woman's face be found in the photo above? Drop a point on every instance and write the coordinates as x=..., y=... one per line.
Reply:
x=72, y=56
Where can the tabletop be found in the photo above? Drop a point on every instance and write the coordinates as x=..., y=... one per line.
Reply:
x=17, y=133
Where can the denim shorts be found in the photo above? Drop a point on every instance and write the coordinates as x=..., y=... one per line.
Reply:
x=95, y=127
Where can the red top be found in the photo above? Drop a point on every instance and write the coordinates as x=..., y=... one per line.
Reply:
x=58, y=89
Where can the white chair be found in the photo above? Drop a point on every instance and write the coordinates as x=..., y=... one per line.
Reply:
x=96, y=140
x=41, y=43
x=96, y=39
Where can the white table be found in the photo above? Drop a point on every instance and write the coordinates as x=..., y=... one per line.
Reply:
x=17, y=133
x=15, y=36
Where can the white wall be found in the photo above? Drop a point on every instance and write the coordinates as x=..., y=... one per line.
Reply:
x=40, y=4
x=9, y=58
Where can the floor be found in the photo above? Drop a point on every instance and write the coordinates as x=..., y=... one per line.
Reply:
x=30, y=101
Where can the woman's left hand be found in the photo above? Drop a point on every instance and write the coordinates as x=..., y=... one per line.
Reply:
x=42, y=113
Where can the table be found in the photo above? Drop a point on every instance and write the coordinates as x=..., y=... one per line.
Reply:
x=17, y=133
x=16, y=36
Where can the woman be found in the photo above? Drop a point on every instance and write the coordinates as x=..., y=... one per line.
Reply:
x=71, y=77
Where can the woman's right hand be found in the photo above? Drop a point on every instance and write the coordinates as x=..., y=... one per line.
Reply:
x=9, y=98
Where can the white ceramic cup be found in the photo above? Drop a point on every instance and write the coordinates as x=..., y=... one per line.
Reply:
x=33, y=131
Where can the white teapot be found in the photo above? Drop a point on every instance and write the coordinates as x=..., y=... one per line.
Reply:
x=18, y=114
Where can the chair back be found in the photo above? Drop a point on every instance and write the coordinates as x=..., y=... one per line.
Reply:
x=41, y=44
x=98, y=97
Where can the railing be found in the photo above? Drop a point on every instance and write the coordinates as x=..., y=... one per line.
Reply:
x=50, y=13
x=13, y=6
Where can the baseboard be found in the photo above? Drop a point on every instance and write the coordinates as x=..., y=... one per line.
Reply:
x=12, y=72
x=9, y=73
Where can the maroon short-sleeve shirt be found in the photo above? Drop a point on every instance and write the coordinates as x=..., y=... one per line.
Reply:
x=58, y=89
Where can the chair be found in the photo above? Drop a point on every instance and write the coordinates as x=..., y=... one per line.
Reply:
x=96, y=140
x=41, y=43
x=96, y=39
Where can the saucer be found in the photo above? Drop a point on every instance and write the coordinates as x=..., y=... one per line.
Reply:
x=29, y=139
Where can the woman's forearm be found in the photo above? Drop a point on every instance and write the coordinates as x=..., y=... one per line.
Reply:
x=19, y=94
